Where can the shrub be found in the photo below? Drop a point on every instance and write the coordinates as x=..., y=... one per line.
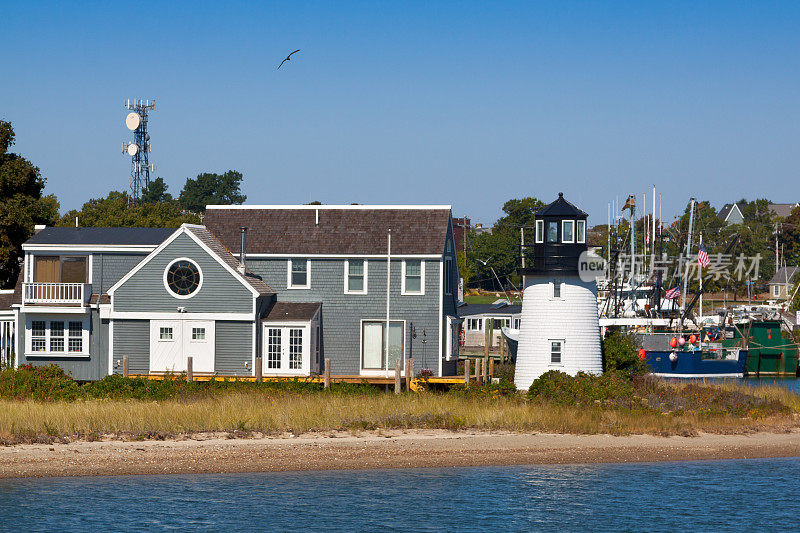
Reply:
x=559, y=388
x=38, y=383
x=620, y=353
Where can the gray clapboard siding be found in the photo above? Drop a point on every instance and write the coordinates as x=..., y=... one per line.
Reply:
x=132, y=338
x=234, y=348
x=342, y=313
x=108, y=268
x=80, y=368
x=221, y=292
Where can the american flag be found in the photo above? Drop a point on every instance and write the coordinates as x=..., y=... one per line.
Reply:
x=702, y=256
x=673, y=293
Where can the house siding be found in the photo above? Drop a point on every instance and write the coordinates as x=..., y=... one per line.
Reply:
x=220, y=292
x=234, y=348
x=80, y=368
x=108, y=268
x=132, y=338
x=343, y=313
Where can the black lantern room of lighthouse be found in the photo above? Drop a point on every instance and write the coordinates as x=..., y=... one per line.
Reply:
x=559, y=239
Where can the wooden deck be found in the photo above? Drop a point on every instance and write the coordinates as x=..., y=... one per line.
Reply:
x=371, y=380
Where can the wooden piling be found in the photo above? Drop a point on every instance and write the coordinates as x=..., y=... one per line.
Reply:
x=466, y=371
x=189, y=372
x=491, y=368
x=485, y=369
x=411, y=373
x=327, y=377
x=259, y=373
x=125, y=372
x=397, y=382
x=478, y=370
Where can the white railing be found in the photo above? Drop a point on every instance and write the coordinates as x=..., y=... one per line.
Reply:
x=55, y=293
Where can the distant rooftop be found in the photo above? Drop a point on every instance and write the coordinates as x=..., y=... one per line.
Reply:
x=102, y=236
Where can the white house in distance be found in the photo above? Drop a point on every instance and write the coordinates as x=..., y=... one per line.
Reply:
x=559, y=329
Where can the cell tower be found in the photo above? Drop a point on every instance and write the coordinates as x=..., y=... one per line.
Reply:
x=139, y=149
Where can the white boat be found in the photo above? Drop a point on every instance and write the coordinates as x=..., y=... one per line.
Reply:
x=512, y=339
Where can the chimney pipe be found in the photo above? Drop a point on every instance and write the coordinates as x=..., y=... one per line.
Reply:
x=242, y=254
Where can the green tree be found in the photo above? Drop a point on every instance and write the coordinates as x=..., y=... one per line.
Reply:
x=22, y=205
x=156, y=192
x=113, y=211
x=212, y=189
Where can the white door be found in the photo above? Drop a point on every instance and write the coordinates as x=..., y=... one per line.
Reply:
x=286, y=350
x=173, y=341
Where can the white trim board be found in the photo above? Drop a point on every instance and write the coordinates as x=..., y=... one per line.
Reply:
x=332, y=207
x=72, y=248
x=338, y=256
x=152, y=315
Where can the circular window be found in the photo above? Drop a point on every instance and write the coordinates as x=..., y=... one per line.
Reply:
x=182, y=278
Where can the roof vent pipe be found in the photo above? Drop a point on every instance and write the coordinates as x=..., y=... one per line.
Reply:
x=242, y=254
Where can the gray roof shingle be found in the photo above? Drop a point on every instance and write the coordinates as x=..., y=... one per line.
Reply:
x=332, y=230
x=783, y=274
x=102, y=236
x=290, y=311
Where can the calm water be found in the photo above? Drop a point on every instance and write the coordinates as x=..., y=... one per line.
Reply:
x=703, y=495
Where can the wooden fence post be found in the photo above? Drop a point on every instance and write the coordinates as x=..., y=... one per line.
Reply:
x=125, y=366
x=491, y=368
x=466, y=371
x=478, y=369
x=259, y=373
x=327, y=378
x=189, y=373
x=485, y=368
x=397, y=384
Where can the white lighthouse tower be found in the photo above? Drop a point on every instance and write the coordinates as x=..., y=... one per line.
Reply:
x=559, y=329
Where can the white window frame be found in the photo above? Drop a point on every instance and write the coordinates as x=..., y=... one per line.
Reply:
x=776, y=291
x=289, y=273
x=47, y=319
x=389, y=365
x=347, y=277
x=447, y=280
x=285, y=354
x=403, y=290
x=563, y=233
x=517, y=322
x=561, y=352
x=471, y=323
x=199, y=285
x=539, y=231
x=580, y=236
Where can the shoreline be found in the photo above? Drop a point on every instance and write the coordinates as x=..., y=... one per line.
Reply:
x=214, y=453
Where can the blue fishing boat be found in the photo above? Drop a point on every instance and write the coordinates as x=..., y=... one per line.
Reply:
x=706, y=363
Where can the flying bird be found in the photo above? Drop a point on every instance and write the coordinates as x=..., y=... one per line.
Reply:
x=288, y=58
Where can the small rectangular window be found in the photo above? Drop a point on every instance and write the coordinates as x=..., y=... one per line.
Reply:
x=356, y=276
x=580, y=231
x=568, y=231
x=516, y=323
x=552, y=231
x=56, y=336
x=298, y=274
x=75, y=336
x=448, y=275
x=198, y=334
x=165, y=334
x=412, y=279
x=540, y=231
x=556, y=289
x=556, y=348
x=38, y=336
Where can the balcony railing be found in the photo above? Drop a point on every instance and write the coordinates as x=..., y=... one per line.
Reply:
x=55, y=293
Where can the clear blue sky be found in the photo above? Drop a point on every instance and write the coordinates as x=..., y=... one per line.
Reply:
x=468, y=104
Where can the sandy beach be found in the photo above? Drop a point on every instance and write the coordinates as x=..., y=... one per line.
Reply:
x=406, y=449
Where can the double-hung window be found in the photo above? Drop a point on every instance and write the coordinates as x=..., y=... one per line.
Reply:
x=413, y=276
x=556, y=351
x=57, y=337
x=299, y=274
x=355, y=274
x=474, y=324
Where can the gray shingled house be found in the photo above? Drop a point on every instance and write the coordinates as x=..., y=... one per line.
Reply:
x=314, y=286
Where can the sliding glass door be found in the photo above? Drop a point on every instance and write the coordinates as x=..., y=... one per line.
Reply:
x=373, y=344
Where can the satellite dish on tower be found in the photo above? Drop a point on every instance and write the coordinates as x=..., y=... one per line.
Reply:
x=132, y=121
x=132, y=148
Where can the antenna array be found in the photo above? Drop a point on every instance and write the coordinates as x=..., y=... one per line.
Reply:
x=139, y=149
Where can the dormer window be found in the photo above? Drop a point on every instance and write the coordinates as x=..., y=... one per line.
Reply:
x=568, y=231
x=552, y=232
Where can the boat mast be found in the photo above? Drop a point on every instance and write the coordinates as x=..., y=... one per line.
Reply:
x=688, y=251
